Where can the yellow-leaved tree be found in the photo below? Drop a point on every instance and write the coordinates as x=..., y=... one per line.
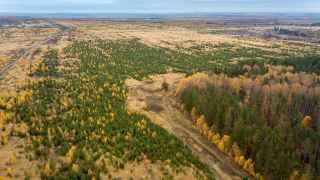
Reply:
x=306, y=122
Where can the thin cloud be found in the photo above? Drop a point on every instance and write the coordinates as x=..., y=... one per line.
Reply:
x=155, y=6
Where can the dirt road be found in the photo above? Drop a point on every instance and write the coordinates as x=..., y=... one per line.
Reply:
x=147, y=97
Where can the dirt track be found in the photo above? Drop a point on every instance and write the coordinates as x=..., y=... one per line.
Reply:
x=147, y=97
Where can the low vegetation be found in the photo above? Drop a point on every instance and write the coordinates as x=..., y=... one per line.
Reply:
x=78, y=125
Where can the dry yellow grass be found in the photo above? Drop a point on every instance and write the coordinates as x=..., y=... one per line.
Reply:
x=174, y=34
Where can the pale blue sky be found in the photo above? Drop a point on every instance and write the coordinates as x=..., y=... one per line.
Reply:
x=158, y=6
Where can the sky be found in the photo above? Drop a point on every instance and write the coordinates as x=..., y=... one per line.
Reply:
x=158, y=6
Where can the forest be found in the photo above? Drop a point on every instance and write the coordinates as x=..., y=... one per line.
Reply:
x=268, y=123
x=263, y=114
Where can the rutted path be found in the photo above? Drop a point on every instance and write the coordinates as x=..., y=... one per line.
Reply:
x=147, y=97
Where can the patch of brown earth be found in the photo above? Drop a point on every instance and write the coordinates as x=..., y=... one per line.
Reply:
x=149, y=98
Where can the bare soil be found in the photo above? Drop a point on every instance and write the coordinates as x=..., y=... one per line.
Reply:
x=149, y=98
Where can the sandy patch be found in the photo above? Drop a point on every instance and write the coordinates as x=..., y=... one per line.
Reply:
x=148, y=97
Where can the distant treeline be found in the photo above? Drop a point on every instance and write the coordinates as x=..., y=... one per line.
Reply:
x=310, y=64
x=289, y=32
x=315, y=24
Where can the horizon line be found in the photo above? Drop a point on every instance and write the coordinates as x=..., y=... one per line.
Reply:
x=169, y=12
